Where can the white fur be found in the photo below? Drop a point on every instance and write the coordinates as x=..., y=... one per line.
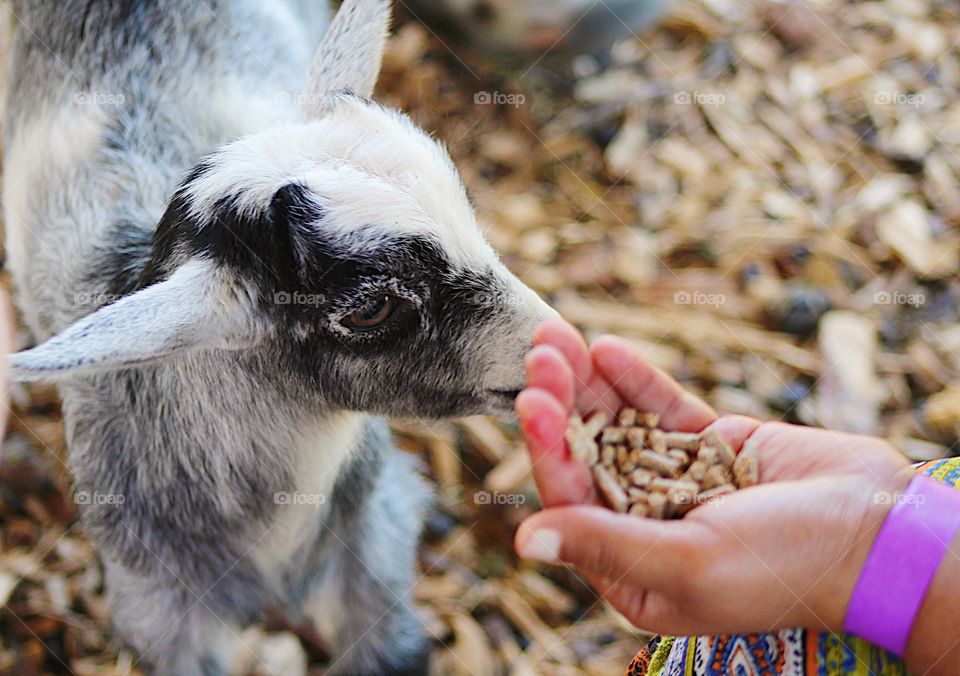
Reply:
x=146, y=326
x=350, y=58
x=366, y=164
x=42, y=152
x=49, y=235
x=325, y=448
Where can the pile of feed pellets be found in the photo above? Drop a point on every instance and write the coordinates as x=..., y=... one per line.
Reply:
x=643, y=470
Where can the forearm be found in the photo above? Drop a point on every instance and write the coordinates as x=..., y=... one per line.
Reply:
x=934, y=645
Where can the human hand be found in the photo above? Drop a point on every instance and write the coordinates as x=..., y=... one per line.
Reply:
x=564, y=377
x=783, y=553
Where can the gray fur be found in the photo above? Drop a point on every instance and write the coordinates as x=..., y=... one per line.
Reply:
x=346, y=63
x=224, y=452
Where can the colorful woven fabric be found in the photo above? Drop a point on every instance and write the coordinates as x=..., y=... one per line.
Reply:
x=945, y=471
x=793, y=652
x=640, y=664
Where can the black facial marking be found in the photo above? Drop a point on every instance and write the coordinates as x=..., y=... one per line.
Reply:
x=267, y=249
x=309, y=281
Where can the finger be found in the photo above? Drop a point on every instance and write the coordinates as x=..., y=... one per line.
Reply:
x=591, y=391
x=641, y=552
x=734, y=429
x=646, y=610
x=598, y=395
x=651, y=611
x=647, y=387
x=793, y=451
x=548, y=369
x=629, y=600
x=568, y=341
x=561, y=480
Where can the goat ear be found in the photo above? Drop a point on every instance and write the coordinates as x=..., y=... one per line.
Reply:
x=186, y=311
x=349, y=56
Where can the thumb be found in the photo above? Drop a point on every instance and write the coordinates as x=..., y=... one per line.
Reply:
x=620, y=547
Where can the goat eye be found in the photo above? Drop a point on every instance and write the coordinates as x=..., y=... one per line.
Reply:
x=373, y=313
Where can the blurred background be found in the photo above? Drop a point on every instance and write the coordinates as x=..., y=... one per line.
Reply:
x=762, y=195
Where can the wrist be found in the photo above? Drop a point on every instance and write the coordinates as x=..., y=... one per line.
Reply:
x=869, y=504
x=931, y=650
x=908, y=551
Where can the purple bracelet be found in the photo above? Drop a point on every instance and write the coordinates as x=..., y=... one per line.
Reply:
x=899, y=569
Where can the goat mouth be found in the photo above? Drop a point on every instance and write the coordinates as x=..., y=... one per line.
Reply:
x=500, y=403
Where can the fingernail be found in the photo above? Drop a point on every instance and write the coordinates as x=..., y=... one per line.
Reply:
x=542, y=545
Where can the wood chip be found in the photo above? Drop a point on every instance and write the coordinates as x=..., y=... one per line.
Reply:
x=849, y=394
x=582, y=445
x=725, y=454
x=471, y=646
x=746, y=468
x=610, y=489
x=642, y=478
x=657, y=441
x=683, y=440
x=519, y=612
x=659, y=463
x=637, y=437
x=511, y=474
x=488, y=438
x=696, y=471
x=716, y=475
x=613, y=435
x=657, y=505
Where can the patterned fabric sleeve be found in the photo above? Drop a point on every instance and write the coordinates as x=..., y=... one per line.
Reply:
x=793, y=652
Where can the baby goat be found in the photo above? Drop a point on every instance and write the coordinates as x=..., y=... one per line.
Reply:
x=220, y=353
